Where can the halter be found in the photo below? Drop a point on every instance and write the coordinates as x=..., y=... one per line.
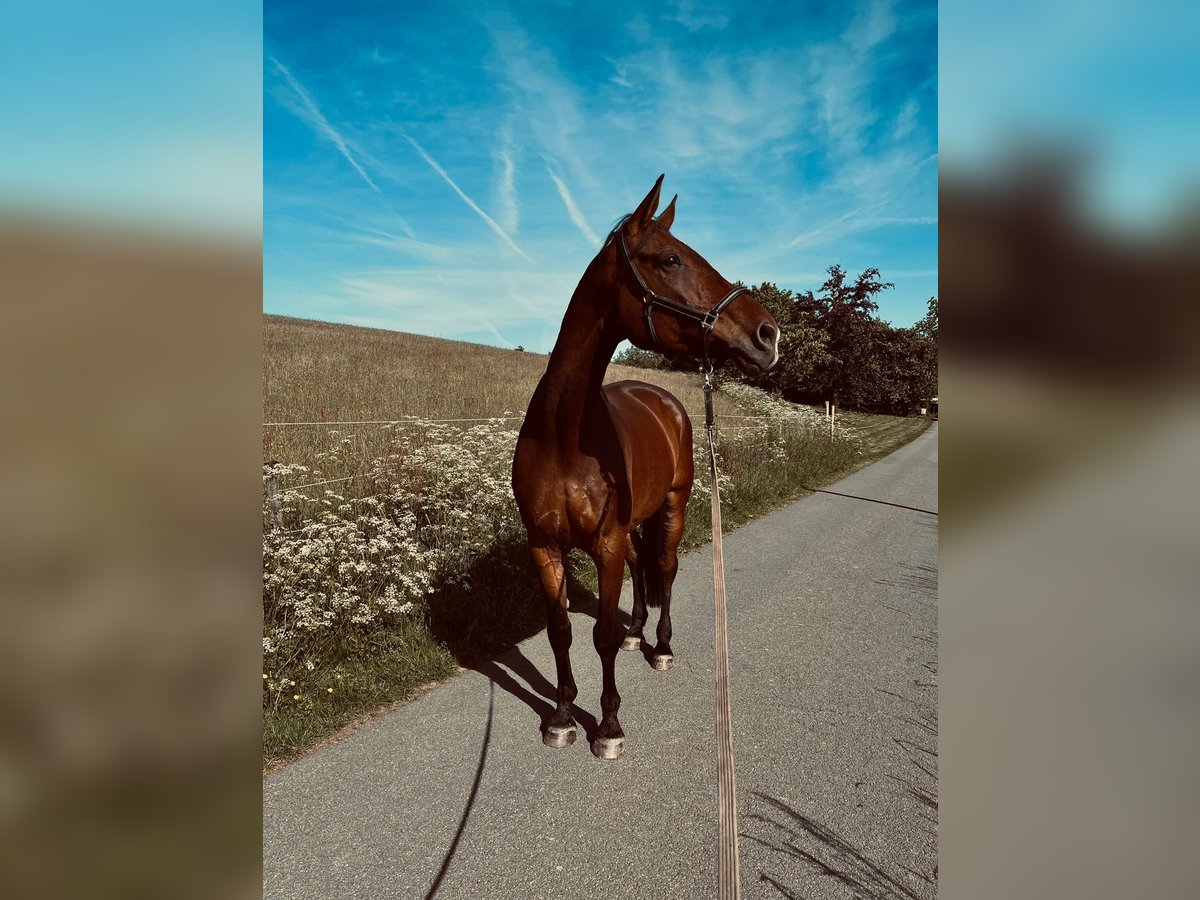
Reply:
x=651, y=300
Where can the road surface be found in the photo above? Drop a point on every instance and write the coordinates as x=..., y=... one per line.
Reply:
x=833, y=649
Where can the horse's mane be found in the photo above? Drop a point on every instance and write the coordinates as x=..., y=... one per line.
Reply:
x=612, y=234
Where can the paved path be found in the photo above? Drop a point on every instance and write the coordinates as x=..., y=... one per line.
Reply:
x=833, y=643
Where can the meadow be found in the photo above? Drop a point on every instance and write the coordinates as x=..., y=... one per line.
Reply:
x=399, y=555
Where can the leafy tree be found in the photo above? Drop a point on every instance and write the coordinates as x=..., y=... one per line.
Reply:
x=642, y=359
x=801, y=342
x=850, y=373
x=928, y=326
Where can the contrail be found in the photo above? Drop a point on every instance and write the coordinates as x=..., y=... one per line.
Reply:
x=573, y=210
x=471, y=203
x=506, y=188
x=322, y=123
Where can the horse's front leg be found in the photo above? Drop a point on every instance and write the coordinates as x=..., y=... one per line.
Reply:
x=609, y=742
x=559, y=729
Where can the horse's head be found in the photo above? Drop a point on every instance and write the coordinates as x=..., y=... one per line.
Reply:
x=672, y=301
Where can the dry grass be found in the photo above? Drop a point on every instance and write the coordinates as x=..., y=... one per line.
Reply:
x=321, y=372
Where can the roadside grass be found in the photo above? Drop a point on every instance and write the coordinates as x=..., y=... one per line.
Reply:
x=481, y=596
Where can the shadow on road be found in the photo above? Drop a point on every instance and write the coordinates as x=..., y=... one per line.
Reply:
x=794, y=834
x=497, y=603
x=929, y=512
x=542, y=698
x=462, y=824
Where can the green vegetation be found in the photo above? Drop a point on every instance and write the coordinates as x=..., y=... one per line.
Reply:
x=400, y=555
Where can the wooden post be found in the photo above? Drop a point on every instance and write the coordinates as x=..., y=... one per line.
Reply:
x=827, y=409
x=273, y=506
x=832, y=417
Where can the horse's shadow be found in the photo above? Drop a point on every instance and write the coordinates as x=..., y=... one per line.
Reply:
x=543, y=697
x=497, y=603
x=484, y=615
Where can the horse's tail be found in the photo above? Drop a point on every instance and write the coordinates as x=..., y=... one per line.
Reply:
x=650, y=556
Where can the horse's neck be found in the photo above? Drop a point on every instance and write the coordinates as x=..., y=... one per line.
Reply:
x=568, y=399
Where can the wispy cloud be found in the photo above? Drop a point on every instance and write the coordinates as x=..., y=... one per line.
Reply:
x=690, y=16
x=550, y=105
x=503, y=299
x=494, y=332
x=824, y=232
x=317, y=120
x=844, y=72
x=467, y=200
x=504, y=185
x=408, y=246
x=848, y=224
x=573, y=210
x=906, y=120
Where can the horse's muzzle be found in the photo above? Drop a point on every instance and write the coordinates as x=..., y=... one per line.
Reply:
x=764, y=352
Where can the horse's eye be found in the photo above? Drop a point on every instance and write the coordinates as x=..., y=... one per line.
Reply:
x=671, y=262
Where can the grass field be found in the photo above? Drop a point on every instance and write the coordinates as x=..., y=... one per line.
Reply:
x=401, y=556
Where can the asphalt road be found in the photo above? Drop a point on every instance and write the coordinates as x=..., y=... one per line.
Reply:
x=833, y=652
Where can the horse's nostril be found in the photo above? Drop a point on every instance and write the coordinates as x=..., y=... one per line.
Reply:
x=767, y=334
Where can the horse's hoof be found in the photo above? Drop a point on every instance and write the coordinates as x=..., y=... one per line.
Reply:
x=632, y=642
x=559, y=737
x=662, y=661
x=608, y=748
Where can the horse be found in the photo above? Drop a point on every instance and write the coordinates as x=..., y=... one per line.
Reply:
x=595, y=462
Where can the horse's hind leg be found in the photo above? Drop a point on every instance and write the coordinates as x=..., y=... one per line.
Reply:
x=559, y=729
x=669, y=534
x=637, y=572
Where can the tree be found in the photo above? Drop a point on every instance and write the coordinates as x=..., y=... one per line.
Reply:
x=801, y=342
x=851, y=371
x=642, y=359
x=925, y=355
x=928, y=326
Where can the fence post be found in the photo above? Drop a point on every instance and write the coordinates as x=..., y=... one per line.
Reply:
x=832, y=417
x=273, y=506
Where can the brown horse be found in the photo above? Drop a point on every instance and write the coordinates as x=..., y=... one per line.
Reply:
x=594, y=462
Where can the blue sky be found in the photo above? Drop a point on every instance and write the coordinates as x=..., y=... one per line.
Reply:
x=450, y=170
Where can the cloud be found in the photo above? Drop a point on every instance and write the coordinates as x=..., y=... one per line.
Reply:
x=549, y=103
x=494, y=332
x=467, y=200
x=573, y=211
x=844, y=72
x=312, y=114
x=693, y=19
x=408, y=246
x=906, y=120
x=504, y=186
x=847, y=224
x=452, y=302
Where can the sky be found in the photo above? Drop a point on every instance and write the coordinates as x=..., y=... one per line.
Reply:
x=451, y=169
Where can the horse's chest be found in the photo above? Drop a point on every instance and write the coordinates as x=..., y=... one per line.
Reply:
x=589, y=503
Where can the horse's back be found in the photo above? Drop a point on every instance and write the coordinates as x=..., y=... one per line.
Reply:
x=656, y=439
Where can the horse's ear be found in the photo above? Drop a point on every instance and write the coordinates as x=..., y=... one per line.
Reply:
x=668, y=215
x=644, y=214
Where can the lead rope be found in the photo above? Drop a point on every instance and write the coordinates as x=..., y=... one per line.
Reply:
x=729, y=880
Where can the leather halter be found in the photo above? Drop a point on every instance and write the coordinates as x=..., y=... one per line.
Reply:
x=650, y=301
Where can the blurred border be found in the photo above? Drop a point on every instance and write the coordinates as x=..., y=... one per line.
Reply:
x=1070, y=626
x=130, y=253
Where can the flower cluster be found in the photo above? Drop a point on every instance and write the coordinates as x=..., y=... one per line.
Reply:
x=344, y=563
